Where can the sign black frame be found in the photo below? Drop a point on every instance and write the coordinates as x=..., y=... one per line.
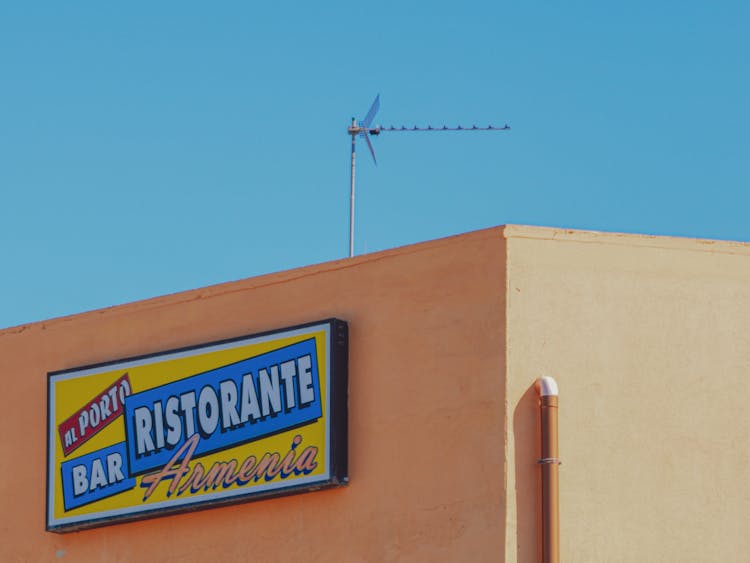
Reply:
x=338, y=451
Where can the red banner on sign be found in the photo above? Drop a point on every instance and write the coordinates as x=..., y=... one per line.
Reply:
x=94, y=415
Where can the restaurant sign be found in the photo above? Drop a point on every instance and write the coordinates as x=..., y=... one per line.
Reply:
x=218, y=423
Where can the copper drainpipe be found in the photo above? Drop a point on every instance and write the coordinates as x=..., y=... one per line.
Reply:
x=549, y=462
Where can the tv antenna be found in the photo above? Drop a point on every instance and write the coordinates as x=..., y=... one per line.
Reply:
x=363, y=129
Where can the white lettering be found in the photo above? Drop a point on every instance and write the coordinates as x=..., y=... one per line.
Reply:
x=70, y=437
x=83, y=422
x=98, y=478
x=114, y=468
x=270, y=393
x=187, y=402
x=113, y=397
x=174, y=428
x=306, y=391
x=288, y=371
x=249, y=407
x=158, y=426
x=166, y=423
x=124, y=390
x=80, y=482
x=96, y=415
x=142, y=422
x=208, y=410
x=229, y=415
x=104, y=405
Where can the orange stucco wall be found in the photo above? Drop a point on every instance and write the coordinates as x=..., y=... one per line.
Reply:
x=426, y=413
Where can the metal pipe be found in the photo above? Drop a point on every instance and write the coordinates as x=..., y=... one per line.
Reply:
x=351, y=197
x=550, y=463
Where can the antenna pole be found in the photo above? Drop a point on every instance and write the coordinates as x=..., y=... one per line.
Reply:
x=351, y=197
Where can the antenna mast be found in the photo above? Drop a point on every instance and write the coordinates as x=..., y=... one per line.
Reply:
x=362, y=129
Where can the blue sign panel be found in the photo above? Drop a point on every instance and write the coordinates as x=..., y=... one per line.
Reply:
x=95, y=476
x=226, y=406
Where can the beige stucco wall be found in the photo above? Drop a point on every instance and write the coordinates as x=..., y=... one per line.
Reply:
x=426, y=413
x=649, y=340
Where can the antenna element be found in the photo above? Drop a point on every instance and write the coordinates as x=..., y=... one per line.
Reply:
x=363, y=129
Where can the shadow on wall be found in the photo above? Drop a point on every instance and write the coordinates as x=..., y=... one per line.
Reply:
x=527, y=440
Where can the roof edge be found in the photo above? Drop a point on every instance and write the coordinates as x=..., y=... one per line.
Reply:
x=258, y=281
x=626, y=239
x=508, y=231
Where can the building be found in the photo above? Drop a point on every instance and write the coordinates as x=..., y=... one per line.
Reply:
x=647, y=337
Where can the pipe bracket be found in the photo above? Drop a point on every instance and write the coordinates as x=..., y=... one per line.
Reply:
x=549, y=460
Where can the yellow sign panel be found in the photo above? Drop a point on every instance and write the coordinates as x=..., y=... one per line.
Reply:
x=223, y=422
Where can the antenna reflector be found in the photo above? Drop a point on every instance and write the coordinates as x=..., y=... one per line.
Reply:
x=371, y=112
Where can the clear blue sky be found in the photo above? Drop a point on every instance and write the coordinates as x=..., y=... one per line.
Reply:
x=153, y=147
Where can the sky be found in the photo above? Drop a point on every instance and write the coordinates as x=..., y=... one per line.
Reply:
x=153, y=147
